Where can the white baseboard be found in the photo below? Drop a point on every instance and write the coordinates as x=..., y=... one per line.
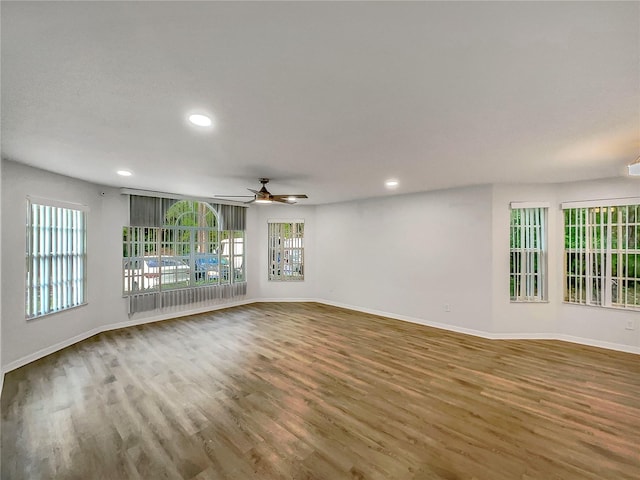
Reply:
x=443, y=326
x=598, y=343
x=50, y=349
x=523, y=336
x=114, y=326
x=138, y=320
x=405, y=318
x=490, y=335
x=286, y=300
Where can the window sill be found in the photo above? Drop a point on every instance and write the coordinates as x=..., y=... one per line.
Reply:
x=527, y=302
x=619, y=309
x=57, y=312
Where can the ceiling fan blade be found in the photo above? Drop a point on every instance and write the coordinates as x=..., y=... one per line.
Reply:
x=282, y=200
x=232, y=196
x=264, y=196
x=290, y=196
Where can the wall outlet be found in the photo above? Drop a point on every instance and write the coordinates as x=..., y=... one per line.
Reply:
x=447, y=307
x=631, y=325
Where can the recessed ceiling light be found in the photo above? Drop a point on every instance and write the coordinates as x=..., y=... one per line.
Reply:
x=124, y=173
x=200, y=120
x=391, y=183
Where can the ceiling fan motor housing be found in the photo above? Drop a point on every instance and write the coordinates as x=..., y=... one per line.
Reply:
x=263, y=193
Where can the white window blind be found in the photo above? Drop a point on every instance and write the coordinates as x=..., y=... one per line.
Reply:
x=286, y=250
x=56, y=257
x=528, y=254
x=602, y=255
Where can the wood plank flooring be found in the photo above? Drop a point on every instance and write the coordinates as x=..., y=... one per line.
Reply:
x=307, y=391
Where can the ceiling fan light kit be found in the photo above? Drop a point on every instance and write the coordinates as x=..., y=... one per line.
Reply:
x=263, y=196
x=634, y=168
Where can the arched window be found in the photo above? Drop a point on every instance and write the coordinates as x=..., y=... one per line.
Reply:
x=188, y=213
x=185, y=248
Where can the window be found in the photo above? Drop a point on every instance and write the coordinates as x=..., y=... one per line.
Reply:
x=190, y=250
x=602, y=254
x=286, y=250
x=56, y=257
x=528, y=253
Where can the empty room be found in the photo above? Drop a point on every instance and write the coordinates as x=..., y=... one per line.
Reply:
x=320, y=240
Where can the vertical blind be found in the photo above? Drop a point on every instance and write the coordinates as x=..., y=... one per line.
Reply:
x=528, y=253
x=286, y=250
x=602, y=253
x=147, y=211
x=171, y=258
x=56, y=257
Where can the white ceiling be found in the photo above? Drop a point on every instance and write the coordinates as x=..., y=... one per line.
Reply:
x=328, y=99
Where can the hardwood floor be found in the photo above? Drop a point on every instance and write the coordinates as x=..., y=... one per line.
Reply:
x=307, y=391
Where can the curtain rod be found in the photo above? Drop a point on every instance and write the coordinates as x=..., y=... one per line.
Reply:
x=150, y=193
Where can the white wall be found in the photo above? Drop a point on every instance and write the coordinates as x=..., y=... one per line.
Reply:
x=24, y=340
x=19, y=336
x=407, y=256
x=1, y=372
x=586, y=324
x=410, y=255
x=1, y=189
x=523, y=318
x=114, y=215
x=599, y=324
x=261, y=287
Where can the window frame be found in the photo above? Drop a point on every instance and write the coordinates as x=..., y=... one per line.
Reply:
x=279, y=253
x=221, y=263
x=61, y=254
x=528, y=242
x=592, y=238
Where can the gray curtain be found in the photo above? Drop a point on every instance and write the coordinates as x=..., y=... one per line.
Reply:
x=232, y=217
x=150, y=212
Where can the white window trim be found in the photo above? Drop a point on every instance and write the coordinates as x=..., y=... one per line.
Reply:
x=58, y=203
x=609, y=202
x=605, y=252
x=542, y=251
x=282, y=277
x=285, y=220
x=519, y=205
x=54, y=268
x=134, y=279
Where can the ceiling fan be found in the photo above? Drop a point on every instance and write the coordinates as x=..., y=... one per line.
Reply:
x=264, y=196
